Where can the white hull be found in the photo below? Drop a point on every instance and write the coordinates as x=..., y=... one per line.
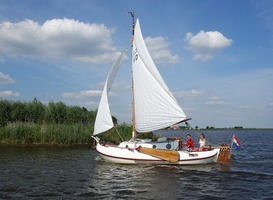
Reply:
x=129, y=154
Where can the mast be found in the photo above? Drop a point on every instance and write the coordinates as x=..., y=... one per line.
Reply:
x=133, y=98
x=133, y=25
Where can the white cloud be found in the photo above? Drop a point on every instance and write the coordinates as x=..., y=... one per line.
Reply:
x=5, y=79
x=60, y=39
x=82, y=94
x=121, y=86
x=204, y=44
x=216, y=101
x=191, y=93
x=9, y=93
x=91, y=103
x=159, y=50
x=245, y=107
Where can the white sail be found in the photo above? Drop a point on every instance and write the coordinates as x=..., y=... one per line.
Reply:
x=155, y=106
x=104, y=120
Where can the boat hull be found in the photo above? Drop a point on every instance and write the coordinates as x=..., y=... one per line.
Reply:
x=125, y=155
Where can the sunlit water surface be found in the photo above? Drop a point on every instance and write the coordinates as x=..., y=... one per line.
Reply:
x=76, y=173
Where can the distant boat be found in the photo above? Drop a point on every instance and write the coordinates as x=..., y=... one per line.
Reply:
x=153, y=108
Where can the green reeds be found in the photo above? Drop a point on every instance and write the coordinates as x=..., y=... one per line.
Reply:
x=61, y=134
x=31, y=133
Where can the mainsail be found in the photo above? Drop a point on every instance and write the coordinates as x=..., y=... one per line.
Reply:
x=104, y=120
x=155, y=106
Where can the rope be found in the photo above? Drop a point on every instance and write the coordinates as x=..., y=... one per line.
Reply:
x=119, y=134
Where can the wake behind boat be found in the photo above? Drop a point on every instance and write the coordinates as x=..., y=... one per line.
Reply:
x=153, y=108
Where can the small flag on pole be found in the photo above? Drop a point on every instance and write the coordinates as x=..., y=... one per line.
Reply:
x=236, y=142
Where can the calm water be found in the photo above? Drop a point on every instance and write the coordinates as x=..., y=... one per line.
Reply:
x=75, y=173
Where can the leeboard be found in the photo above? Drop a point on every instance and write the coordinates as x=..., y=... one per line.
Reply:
x=164, y=154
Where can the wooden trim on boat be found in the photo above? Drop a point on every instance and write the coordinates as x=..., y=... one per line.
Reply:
x=164, y=154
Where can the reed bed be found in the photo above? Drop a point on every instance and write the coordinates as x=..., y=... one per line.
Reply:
x=53, y=123
x=61, y=134
x=31, y=133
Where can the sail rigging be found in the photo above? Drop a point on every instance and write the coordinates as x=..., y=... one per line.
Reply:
x=153, y=107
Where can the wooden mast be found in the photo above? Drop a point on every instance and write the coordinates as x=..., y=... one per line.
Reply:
x=133, y=98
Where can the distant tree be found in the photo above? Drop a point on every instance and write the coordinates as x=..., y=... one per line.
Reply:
x=238, y=127
x=115, y=121
x=183, y=127
x=210, y=128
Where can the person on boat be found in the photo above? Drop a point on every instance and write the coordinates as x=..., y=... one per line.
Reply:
x=189, y=143
x=202, y=141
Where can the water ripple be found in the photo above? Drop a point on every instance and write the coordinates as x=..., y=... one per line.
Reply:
x=75, y=173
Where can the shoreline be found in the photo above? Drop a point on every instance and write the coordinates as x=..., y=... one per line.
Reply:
x=48, y=145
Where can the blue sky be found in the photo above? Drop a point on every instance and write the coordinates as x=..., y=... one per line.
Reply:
x=215, y=56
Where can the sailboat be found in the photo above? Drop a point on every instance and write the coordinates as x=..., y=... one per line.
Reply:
x=153, y=107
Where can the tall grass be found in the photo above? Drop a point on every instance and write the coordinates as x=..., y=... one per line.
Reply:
x=31, y=133
x=66, y=134
x=53, y=123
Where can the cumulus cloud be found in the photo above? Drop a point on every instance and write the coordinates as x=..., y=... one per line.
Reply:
x=58, y=39
x=216, y=101
x=5, y=79
x=205, y=44
x=9, y=93
x=159, y=50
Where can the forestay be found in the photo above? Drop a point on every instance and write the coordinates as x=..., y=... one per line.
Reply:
x=155, y=106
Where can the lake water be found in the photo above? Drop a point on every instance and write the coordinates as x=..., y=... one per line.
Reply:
x=76, y=173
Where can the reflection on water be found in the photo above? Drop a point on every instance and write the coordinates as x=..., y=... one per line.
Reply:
x=162, y=182
x=72, y=173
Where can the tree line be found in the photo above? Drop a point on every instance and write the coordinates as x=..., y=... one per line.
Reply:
x=40, y=113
